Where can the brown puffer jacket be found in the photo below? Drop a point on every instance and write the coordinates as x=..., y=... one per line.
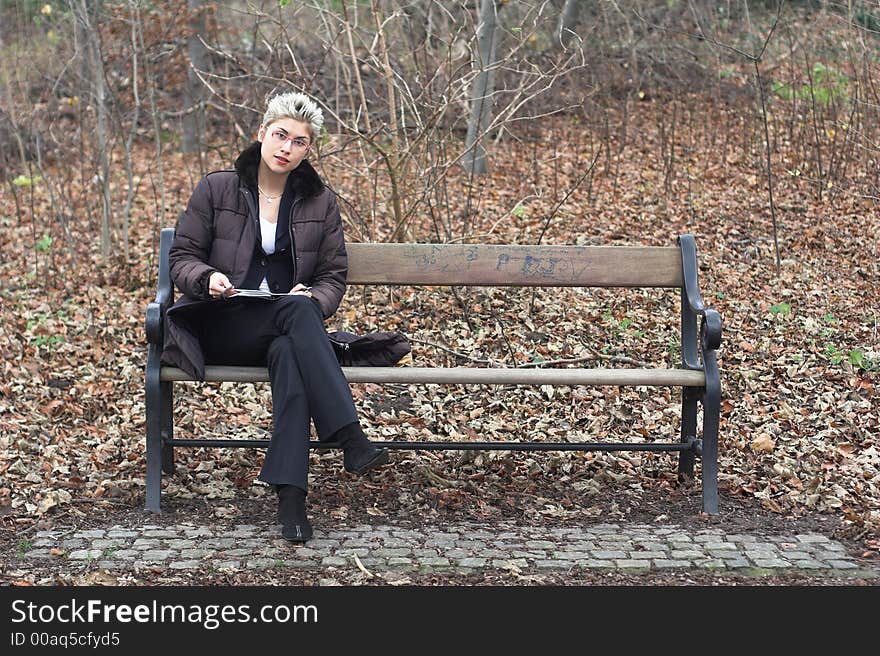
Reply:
x=218, y=232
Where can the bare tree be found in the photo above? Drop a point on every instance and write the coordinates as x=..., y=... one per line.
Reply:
x=565, y=31
x=193, y=94
x=87, y=17
x=482, y=89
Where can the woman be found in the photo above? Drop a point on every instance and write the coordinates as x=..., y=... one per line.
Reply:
x=271, y=224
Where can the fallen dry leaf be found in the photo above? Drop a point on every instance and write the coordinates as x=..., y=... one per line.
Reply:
x=763, y=443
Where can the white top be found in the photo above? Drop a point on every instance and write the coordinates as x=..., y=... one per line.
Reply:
x=267, y=235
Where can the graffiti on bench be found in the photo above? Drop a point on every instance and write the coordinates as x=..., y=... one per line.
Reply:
x=549, y=267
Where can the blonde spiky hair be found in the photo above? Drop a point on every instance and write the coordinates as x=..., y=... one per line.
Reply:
x=297, y=106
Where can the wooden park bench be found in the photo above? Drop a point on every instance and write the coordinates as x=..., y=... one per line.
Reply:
x=490, y=265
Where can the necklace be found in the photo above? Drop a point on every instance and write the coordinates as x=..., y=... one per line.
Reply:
x=269, y=198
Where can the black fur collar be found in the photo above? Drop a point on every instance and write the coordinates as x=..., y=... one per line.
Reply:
x=304, y=180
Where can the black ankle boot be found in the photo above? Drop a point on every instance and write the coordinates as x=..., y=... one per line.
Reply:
x=358, y=453
x=295, y=525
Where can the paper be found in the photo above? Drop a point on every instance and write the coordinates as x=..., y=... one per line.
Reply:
x=254, y=293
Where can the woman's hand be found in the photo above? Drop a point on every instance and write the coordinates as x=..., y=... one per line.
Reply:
x=219, y=285
x=300, y=289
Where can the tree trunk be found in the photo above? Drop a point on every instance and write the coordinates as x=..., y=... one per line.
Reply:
x=568, y=17
x=194, y=113
x=87, y=13
x=482, y=90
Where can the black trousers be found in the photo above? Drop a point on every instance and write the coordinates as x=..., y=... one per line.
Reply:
x=288, y=335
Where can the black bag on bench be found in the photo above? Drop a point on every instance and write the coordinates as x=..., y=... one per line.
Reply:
x=379, y=349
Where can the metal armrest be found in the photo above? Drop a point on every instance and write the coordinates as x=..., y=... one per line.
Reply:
x=693, y=307
x=155, y=316
x=164, y=292
x=710, y=330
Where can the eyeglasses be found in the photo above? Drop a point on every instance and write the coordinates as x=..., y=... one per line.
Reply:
x=282, y=138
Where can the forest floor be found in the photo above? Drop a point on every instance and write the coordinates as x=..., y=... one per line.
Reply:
x=799, y=445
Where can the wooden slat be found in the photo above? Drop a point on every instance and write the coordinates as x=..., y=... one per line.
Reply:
x=471, y=375
x=503, y=265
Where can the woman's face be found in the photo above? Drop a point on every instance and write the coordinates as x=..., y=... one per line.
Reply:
x=285, y=143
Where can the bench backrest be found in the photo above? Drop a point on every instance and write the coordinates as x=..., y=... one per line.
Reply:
x=506, y=265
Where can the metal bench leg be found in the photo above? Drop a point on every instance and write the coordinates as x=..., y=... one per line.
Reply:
x=154, y=432
x=686, y=459
x=711, y=419
x=167, y=402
